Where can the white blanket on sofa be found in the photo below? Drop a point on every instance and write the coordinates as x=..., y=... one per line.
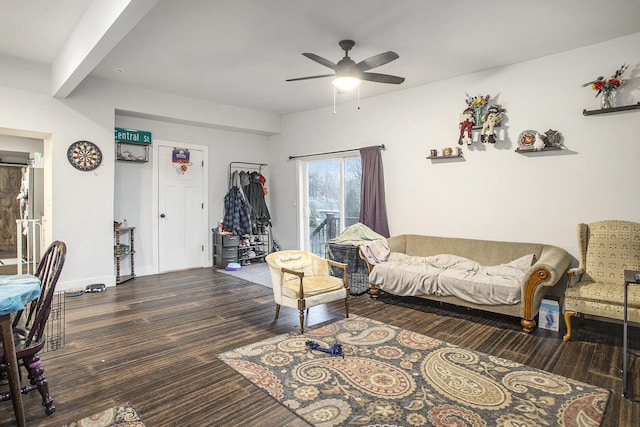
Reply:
x=453, y=275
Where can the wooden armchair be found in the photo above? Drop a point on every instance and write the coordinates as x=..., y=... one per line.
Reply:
x=607, y=248
x=302, y=280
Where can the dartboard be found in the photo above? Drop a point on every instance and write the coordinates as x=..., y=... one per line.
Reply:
x=84, y=155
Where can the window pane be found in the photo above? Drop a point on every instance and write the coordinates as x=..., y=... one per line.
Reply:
x=333, y=200
x=352, y=179
x=324, y=202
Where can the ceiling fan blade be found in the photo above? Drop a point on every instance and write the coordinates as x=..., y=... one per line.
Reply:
x=320, y=60
x=311, y=77
x=377, y=60
x=382, y=78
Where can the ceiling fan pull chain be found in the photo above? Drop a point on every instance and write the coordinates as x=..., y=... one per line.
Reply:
x=334, y=100
x=358, y=97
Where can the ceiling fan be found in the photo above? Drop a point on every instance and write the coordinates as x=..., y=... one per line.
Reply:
x=348, y=74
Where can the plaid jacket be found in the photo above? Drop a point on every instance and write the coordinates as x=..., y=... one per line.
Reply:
x=237, y=217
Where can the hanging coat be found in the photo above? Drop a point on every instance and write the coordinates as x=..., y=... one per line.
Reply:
x=237, y=218
x=255, y=196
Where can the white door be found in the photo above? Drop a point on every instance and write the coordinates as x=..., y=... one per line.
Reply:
x=181, y=207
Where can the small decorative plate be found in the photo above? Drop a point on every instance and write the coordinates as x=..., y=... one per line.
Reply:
x=526, y=139
x=84, y=155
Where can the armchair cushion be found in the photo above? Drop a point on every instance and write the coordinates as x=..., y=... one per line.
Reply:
x=312, y=286
x=603, y=299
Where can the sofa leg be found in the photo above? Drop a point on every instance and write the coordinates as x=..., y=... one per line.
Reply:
x=567, y=321
x=374, y=290
x=528, y=325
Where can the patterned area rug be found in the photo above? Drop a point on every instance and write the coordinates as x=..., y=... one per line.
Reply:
x=394, y=377
x=121, y=415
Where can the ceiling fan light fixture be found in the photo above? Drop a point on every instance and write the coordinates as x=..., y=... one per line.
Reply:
x=346, y=83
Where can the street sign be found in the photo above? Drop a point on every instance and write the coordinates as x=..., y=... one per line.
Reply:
x=132, y=135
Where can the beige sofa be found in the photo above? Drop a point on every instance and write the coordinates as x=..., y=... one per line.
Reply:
x=550, y=264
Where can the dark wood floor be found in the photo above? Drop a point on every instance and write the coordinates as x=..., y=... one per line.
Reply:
x=153, y=342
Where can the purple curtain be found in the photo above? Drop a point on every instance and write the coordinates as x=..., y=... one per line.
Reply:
x=373, y=208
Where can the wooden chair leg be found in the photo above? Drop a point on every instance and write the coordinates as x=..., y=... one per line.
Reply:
x=39, y=380
x=567, y=321
x=277, y=311
x=302, y=320
x=346, y=306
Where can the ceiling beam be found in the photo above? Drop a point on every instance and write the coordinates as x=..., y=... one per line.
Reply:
x=103, y=26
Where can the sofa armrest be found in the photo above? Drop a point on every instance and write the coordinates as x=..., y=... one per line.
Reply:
x=553, y=259
x=364, y=258
x=545, y=272
x=374, y=291
x=398, y=243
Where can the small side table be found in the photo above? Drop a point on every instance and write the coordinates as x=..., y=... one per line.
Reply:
x=631, y=277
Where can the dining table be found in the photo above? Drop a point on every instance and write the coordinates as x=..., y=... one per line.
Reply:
x=16, y=291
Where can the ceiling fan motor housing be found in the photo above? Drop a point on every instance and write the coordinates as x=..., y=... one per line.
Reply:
x=347, y=66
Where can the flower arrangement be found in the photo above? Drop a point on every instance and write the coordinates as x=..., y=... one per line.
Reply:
x=476, y=100
x=477, y=103
x=607, y=85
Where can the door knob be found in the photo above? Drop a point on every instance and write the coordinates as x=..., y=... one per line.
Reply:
x=162, y=215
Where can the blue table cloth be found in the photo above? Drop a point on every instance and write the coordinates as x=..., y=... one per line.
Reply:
x=16, y=291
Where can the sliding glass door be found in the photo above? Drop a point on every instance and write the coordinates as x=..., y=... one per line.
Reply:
x=330, y=199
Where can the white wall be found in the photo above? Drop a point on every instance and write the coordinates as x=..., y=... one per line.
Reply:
x=495, y=193
x=19, y=144
x=79, y=206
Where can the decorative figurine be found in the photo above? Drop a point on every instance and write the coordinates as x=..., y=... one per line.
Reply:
x=467, y=120
x=552, y=138
x=538, y=144
x=490, y=120
x=334, y=350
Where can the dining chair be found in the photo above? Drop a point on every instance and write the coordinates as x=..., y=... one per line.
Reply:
x=29, y=326
x=302, y=279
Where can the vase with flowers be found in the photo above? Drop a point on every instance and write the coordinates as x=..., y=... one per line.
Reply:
x=608, y=87
x=477, y=103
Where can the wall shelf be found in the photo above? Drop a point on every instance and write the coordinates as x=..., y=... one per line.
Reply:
x=444, y=157
x=132, y=152
x=611, y=110
x=531, y=150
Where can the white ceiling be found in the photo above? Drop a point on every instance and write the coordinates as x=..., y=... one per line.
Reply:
x=240, y=52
